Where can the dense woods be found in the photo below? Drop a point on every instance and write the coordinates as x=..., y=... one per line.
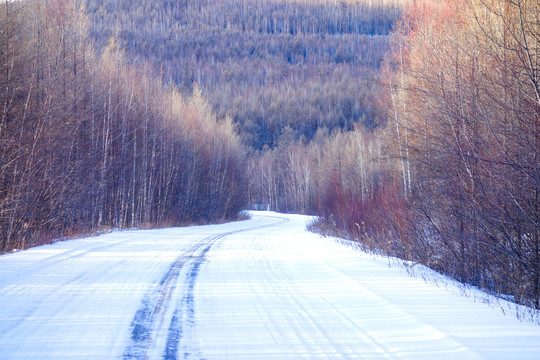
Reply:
x=92, y=141
x=268, y=64
x=331, y=171
x=418, y=137
x=467, y=107
x=460, y=191
x=295, y=77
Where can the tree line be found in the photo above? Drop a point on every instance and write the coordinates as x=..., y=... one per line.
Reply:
x=90, y=140
x=324, y=176
x=461, y=176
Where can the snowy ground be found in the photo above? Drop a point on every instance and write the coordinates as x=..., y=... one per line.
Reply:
x=258, y=289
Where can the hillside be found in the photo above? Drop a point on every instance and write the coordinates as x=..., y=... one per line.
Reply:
x=268, y=64
x=91, y=142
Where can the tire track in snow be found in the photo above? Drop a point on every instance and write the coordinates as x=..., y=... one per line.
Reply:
x=183, y=320
x=314, y=325
x=447, y=342
x=148, y=325
x=311, y=316
x=55, y=262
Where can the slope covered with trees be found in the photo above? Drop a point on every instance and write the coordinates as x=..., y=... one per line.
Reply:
x=268, y=64
x=91, y=141
x=293, y=75
x=460, y=191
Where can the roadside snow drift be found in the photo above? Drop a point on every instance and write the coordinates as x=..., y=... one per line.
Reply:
x=258, y=289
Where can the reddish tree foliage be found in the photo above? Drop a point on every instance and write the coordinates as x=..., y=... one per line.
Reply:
x=464, y=90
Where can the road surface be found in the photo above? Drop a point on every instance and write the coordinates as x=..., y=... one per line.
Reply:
x=259, y=289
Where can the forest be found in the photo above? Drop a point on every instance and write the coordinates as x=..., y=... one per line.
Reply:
x=412, y=127
x=90, y=141
x=267, y=64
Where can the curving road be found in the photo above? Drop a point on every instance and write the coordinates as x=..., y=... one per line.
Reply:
x=257, y=289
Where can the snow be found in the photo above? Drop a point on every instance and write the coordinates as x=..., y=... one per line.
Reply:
x=264, y=288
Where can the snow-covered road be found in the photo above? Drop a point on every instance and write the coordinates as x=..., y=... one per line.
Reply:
x=258, y=289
